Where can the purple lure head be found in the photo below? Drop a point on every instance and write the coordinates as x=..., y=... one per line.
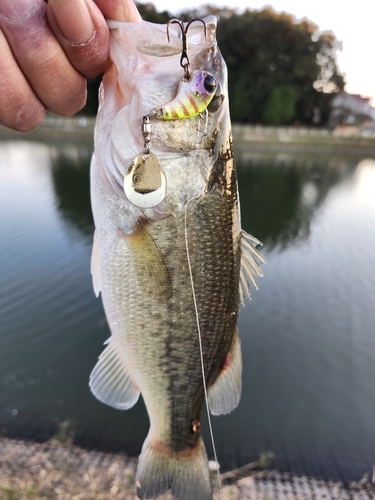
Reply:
x=203, y=84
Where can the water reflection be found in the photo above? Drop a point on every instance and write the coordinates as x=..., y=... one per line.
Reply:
x=280, y=194
x=307, y=335
x=71, y=183
x=364, y=179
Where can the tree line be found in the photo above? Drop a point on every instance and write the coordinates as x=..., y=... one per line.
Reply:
x=281, y=71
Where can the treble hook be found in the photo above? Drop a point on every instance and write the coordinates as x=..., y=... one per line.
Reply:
x=184, y=53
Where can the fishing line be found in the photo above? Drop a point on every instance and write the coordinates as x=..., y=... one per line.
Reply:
x=196, y=306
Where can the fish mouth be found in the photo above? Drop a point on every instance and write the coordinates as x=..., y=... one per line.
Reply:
x=155, y=45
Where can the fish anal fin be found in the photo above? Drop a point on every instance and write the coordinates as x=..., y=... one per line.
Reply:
x=111, y=381
x=251, y=259
x=152, y=274
x=95, y=266
x=225, y=393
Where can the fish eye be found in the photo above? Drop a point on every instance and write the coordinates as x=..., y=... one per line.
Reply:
x=217, y=100
x=210, y=84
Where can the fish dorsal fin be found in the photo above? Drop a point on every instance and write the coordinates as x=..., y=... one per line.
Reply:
x=95, y=266
x=224, y=395
x=110, y=380
x=251, y=259
x=152, y=274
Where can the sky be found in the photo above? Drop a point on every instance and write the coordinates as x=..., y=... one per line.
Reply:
x=353, y=23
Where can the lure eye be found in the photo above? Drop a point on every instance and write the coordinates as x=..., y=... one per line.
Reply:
x=210, y=84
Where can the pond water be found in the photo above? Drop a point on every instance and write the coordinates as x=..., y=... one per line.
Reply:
x=308, y=335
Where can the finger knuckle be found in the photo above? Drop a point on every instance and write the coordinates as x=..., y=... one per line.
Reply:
x=70, y=100
x=22, y=114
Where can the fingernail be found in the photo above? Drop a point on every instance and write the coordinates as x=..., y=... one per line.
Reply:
x=73, y=20
x=19, y=10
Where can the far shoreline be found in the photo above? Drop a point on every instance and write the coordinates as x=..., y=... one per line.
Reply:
x=245, y=137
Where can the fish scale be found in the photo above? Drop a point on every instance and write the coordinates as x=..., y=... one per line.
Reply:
x=146, y=315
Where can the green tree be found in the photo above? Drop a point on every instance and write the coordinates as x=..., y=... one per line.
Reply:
x=280, y=70
x=149, y=13
x=240, y=102
x=281, y=105
x=207, y=10
x=274, y=51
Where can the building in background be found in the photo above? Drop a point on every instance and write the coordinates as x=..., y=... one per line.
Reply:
x=351, y=110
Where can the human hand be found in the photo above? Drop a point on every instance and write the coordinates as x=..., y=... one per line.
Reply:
x=48, y=51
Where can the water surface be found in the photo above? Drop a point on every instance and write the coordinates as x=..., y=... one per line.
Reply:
x=307, y=335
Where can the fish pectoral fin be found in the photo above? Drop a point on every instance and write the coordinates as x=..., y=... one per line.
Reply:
x=95, y=266
x=251, y=259
x=111, y=381
x=152, y=274
x=225, y=393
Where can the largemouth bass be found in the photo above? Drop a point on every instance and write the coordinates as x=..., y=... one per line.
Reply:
x=170, y=260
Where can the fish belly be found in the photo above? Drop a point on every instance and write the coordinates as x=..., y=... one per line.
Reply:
x=155, y=325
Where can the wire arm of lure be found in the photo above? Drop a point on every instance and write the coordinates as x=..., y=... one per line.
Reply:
x=184, y=60
x=146, y=132
x=204, y=116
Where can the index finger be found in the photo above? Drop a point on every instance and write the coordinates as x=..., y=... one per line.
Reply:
x=119, y=10
x=40, y=57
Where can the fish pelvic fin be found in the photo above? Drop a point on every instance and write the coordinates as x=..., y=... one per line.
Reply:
x=152, y=274
x=251, y=259
x=111, y=381
x=185, y=473
x=225, y=393
x=95, y=266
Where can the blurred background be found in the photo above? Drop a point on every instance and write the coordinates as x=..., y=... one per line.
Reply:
x=304, y=139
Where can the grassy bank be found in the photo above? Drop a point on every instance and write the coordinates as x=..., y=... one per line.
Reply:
x=245, y=136
x=34, y=471
x=62, y=471
x=300, y=139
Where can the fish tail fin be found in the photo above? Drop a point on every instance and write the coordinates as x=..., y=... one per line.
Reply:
x=185, y=473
